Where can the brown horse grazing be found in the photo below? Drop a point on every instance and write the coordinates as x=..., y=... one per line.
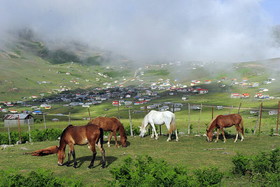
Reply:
x=81, y=135
x=224, y=121
x=113, y=125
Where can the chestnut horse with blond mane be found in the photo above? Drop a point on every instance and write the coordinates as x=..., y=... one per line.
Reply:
x=113, y=125
x=81, y=135
x=224, y=121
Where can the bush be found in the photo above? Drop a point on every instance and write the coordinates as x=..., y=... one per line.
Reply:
x=144, y=171
x=34, y=179
x=136, y=131
x=263, y=168
x=241, y=164
x=208, y=177
x=36, y=136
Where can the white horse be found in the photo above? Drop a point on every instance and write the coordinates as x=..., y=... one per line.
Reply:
x=159, y=118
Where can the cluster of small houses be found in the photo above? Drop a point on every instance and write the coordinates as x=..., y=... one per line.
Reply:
x=127, y=96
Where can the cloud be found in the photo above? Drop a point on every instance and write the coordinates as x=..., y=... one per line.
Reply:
x=151, y=30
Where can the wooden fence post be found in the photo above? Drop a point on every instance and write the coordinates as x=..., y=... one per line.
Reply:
x=9, y=135
x=29, y=133
x=239, y=108
x=89, y=114
x=119, y=109
x=212, y=112
x=130, y=123
x=199, y=118
x=44, y=119
x=278, y=115
x=260, y=120
x=189, y=122
x=19, y=129
x=69, y=118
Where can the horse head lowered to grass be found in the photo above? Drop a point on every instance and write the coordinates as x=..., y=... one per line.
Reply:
x=159, y=118
x=224, y=121
x=113, y=125
x=81, y=135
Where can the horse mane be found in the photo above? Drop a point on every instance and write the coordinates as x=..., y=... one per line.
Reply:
x=210, y=124
x=64, y=131
x=122, y=131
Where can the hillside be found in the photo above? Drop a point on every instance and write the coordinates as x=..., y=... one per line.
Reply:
x=31, y=67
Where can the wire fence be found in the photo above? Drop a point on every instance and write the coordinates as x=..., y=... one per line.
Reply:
x=194, y=121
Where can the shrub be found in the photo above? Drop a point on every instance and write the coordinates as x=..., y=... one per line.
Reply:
x=263, y=168
x=136, y=131
x=36, y=136
x=144, y=171
x=241, y=164
x=34, y=179
x=209, y=177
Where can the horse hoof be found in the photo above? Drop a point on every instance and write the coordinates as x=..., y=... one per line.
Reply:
x=90, y=166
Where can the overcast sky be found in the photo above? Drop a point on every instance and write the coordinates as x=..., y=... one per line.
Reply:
x=152, y=30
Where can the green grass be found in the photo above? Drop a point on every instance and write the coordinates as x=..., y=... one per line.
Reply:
x=190, y=152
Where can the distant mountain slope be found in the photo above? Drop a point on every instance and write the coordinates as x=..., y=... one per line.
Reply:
x=29, y=68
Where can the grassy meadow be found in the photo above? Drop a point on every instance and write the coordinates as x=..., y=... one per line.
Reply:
x=191, y=152
x=22, y=76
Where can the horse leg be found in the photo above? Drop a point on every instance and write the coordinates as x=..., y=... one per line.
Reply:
x=69, y=158
x=242, y=136
x=74, y=158
x=102, y=161
x=109, y=139
x=154, y=129
x=116, y=139
x=217, y=136
x=176, y=134
x=223, y=132
x=72, y=152
x=238, y=129
x=153, y=133
x=92, y=147
x=169, y=137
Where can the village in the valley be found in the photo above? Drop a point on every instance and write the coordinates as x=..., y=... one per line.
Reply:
x=115, y=92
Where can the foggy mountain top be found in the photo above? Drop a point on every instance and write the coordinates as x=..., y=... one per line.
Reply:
x=151, y=30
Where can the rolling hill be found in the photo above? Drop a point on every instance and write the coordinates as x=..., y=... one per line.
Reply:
x=30, y=67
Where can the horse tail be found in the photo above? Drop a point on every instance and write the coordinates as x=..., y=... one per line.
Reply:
x=172, y=125
x=101, y=137
x=241, y=125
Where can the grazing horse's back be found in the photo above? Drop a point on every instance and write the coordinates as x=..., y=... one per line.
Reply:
x=158, y=118
x=81, y=135
x=111, y=124
x=224, y=121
